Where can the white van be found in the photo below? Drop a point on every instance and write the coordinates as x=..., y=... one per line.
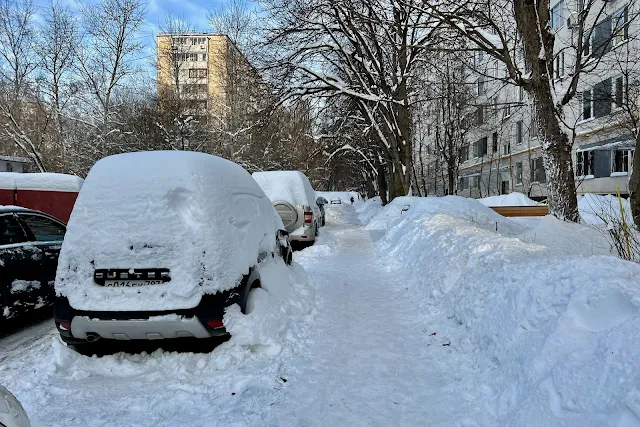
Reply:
x=295, y=200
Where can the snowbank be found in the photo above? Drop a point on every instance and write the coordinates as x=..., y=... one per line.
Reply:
x=40, y=181
x=594, y=208
x=59, y=387
x=549, y=338
x=406, y=209
x=289, y=186
x=192, y=213
x=368, y=209
x=511, y=199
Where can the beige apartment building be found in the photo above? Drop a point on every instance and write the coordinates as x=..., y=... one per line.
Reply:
x=208, y=74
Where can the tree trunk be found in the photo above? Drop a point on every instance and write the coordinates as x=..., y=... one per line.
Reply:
x=558, y=164
x=382, y=184
x=533, y=21
x=634, y=185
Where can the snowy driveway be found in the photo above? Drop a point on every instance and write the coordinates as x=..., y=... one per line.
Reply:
x=368, y=360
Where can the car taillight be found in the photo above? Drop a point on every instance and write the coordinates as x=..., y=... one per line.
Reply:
x=214, y=324
x=65, y=326
x=308, y=217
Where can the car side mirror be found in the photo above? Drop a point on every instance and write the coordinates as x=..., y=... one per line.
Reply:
x=283, y=234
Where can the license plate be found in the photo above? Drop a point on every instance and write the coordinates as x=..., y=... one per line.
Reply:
x=130, y=283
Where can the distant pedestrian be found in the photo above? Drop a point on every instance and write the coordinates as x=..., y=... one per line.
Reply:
x=352, y=200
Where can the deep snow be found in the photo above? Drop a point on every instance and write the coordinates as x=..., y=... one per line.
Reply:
x=40, y=181
x=200, y=216
x=425, y=316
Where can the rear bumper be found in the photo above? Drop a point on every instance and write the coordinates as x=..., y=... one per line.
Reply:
x=303, y=234
x=75, y=326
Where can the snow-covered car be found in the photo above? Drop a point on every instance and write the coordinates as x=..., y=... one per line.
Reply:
x=30, y=243
x=336, y=201
x=321, y=201
x=12, y=414
x=159, y=244
x=295, y=200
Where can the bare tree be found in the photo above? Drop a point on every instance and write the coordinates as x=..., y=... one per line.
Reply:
x=363, y=50
x=521, y=36
x=107, y=59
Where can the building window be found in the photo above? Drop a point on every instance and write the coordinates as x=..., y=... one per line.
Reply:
x=9, y=167
x=464, y=153
x=587, y=111
x=494, y=142
x=203, y=57
x=537, y=171
x=602, y=38
x=474, y=182
x=197, y=72
x=519, y=173
x=585, y=163
x=557, y=16
x=480, y=147
x=621, y=26
x=480, y=115
x=519, y=133
x=506, y=112
x=481, y=88
x=521, y=94
x=506, y=148
x=619, y=92
x=620, y=161
x=602, y=99
x=464, y=183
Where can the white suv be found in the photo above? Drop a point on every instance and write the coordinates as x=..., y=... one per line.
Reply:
x=295, y=200
x=159, y=244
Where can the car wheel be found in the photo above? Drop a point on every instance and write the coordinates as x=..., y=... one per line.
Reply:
x=246, y=294
x=255, y=294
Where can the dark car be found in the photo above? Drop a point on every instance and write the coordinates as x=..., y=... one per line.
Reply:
x=30, y=243
x=321, y=201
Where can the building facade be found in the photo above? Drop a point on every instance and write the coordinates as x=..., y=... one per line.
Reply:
x=208, y=74
x=501, y=152
x=14, y=164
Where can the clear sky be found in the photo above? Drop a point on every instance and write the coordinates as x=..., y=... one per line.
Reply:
x=193, y=12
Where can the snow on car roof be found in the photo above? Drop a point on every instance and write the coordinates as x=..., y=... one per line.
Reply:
x=202, y=217
x=11, y=208
x=40, y=181
x=289, y=186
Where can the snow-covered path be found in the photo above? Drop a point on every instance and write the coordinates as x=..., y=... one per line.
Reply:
x=371, y=361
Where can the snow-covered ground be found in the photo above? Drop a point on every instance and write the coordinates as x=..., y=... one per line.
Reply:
x=429, y=311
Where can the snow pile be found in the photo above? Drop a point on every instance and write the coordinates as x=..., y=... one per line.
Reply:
x=40, y=181
x=192, y=213
x=596, y=209
x=511, y=199
x=228, y=386
x=289, y=186
x=406, y=209
x=545, y=337
x=369, y=209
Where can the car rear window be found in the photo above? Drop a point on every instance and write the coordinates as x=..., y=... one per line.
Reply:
x=10, y=231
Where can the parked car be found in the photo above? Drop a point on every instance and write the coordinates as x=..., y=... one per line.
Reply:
x=12, y=414
x=321, y=201
x=30, y=243
x=295, y=200
x=336, y=201
x=159, y=244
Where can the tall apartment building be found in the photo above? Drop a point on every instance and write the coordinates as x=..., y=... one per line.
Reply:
x=501, y=152
x=207, y=73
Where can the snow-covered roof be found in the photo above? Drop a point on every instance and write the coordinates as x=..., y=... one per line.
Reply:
x=289, y=186
x=14, y=159
x=202, y=217
x=40, y=181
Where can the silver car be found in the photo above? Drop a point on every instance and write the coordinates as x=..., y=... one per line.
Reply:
x=295, y=201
